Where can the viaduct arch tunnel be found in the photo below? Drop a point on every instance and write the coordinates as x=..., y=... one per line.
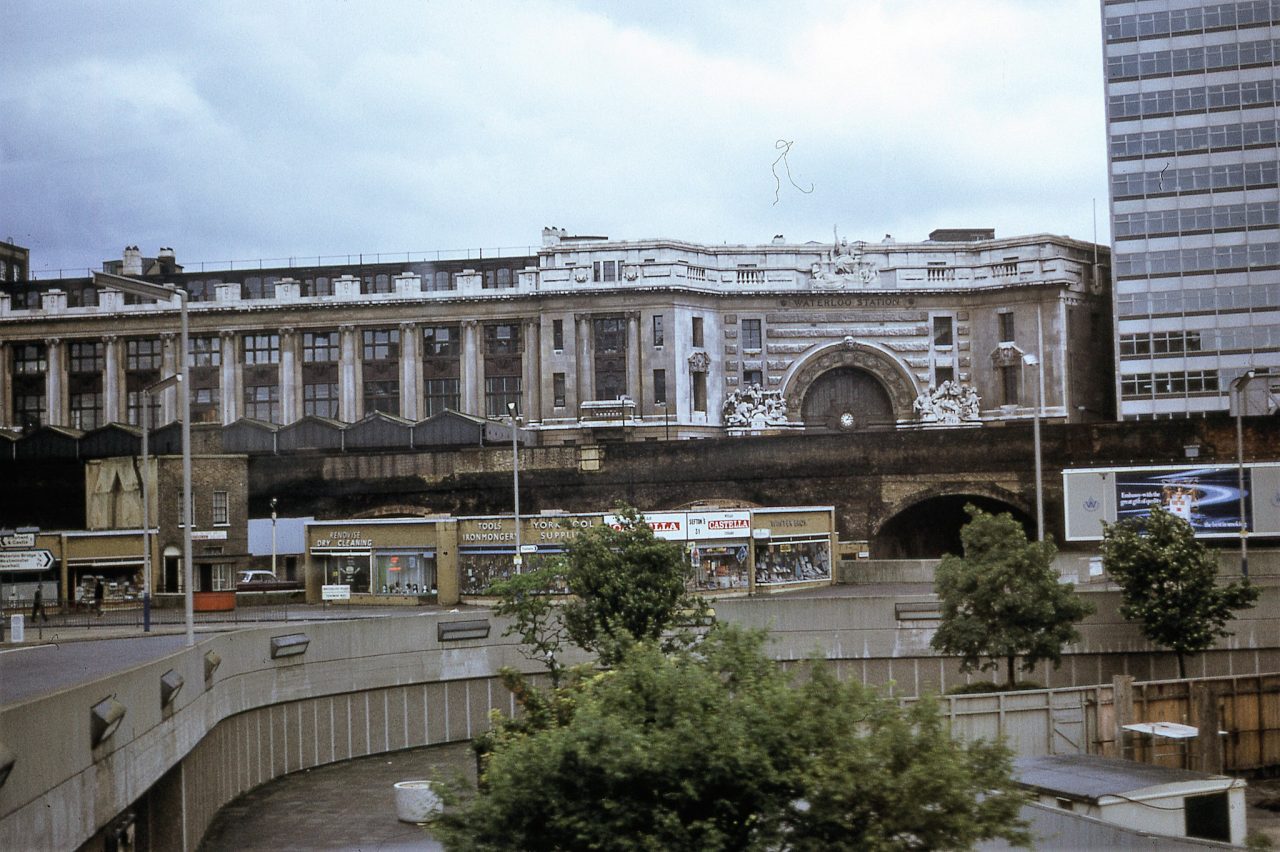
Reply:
x=930, y=528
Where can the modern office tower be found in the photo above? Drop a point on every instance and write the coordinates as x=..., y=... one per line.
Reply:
x=1192, y=135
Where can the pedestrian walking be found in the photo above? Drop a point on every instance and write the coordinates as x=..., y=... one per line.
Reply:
x=98, y=591
x=37, y=604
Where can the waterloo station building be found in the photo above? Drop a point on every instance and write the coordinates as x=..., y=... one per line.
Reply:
x=588, y=338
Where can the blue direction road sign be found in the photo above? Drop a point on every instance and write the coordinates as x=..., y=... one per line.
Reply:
x=25, y=560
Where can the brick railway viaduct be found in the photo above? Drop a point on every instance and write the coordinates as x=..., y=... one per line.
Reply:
x=902, y=491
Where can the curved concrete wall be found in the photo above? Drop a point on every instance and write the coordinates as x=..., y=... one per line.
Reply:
x=374, y=685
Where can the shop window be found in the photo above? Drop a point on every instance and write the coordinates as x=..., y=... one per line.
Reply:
x=658, y=336
x=793, y=561
x=1005, y=321
x=557, y=335
x=751, y=334
x=943, y=332
x=660, y=387
x=220, y=511
x=223, y=576
x=697, y=331
x=320, y=347
x=557, y=390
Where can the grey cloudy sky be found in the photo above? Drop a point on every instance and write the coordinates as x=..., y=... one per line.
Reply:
x=286, y=129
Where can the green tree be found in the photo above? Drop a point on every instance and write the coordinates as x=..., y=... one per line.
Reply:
x=625, y=585
x=1169, y=583
x=717, y=748
x=1002, y=599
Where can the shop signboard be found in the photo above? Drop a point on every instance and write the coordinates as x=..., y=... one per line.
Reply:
x=669, y=526
x=710, y=526
x=335, y=592
x=475, y=532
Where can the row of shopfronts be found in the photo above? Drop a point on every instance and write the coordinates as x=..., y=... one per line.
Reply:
x=730, y=551
x=447, y=558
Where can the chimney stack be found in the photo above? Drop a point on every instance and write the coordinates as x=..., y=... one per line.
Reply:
x=132, y=261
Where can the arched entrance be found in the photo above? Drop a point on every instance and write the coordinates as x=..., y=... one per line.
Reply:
x=847, y=399
x=849, y=386
x=931, y=528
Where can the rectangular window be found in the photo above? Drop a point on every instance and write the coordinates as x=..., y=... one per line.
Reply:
x=133, y=406
x=382, y=396
x=660, y=387
x=440, y=341
x=1010, y=384
x=262, y=402
x=943, y=331
x=658, y=338
x=500, y=390
x=606, y=270
x=700, y=392
x=381, y=344
x=557, y=335
x=502, y=340
x=1006, y=327
x=697, y=331
x=29, y=409
x=557, y=389
x=943, y=374
x=222, y=576
x=610, y=335
x=320, y=399
x=752, y=377
x=442, y=394
x=86, y=410
x=204, y=351
x=142, y=354
x=320, y=347
x=220, y=518
x=261, y=349
x=86, y=357
x=751, y=334
x=29, y=358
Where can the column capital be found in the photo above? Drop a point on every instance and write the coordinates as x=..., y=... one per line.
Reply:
x=471, y=324
x=408, y=328
x=288, y=329
x=168, y=336
x=632, y=316
x=581, y=317
x=52, y=341
x=110, y=338
x=226, y=334
x=346, y=327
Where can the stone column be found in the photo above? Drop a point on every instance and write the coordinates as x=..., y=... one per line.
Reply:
x=168, y=367
x=472, y=369
x=114, y=408
x=348, y=375
x=532, y=365
x=231, y=376
x=410, y=373
x=583, y=368
x=57, y=405
x=290, y=377
x=634, y=385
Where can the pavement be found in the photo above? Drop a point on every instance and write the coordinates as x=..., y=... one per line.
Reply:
x=348, y=805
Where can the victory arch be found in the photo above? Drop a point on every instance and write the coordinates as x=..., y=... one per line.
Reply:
x=849, y=387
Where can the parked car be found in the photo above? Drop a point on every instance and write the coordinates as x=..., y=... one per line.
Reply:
x=263, y=581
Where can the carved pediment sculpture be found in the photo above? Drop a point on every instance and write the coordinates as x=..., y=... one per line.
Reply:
x=754, y=407
x=951, y=404
x=699, y=362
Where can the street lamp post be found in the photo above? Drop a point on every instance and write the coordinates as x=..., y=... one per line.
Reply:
x=273, y=536
x=1238, y=385
x=515, y=480
x=1034, y=361
x=166, y=293
x=147, y=393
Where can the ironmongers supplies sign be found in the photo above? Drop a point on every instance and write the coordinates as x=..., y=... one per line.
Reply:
x=25, y=560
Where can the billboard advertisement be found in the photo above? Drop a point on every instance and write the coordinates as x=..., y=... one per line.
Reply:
x=1208, y=498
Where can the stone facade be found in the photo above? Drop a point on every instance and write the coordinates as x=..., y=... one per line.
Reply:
x=591, y=339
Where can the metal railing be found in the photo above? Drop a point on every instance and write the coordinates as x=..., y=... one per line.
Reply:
x=79, y=614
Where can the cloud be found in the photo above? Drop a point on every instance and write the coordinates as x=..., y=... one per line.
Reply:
x=234, y=130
